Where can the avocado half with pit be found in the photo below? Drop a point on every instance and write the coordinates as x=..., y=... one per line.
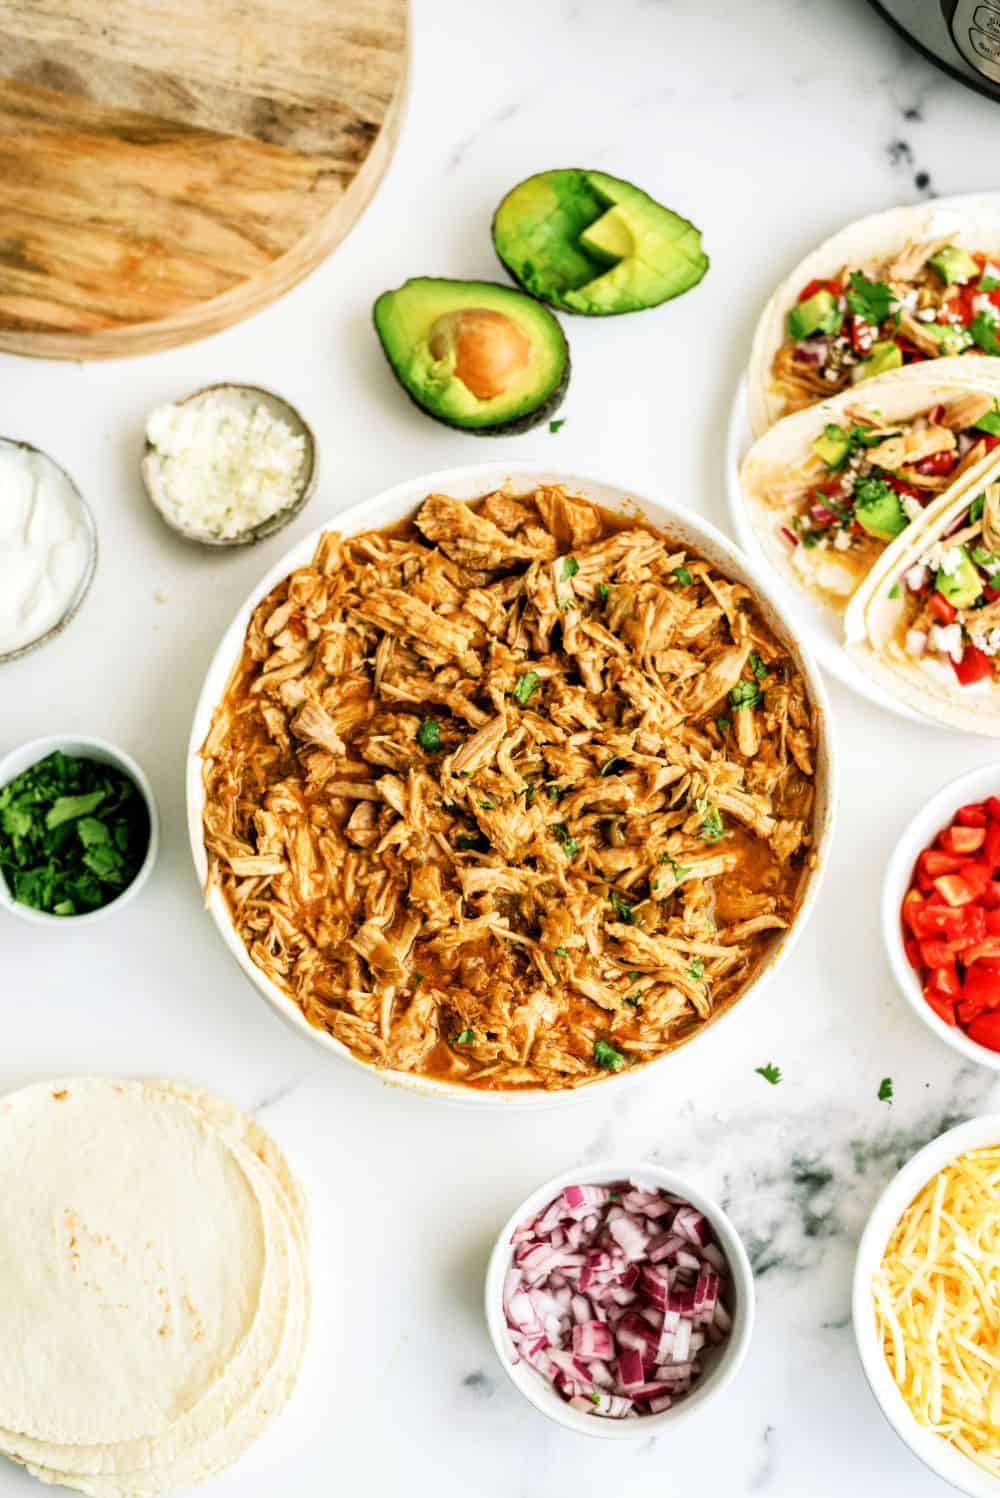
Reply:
x=473, y=354
x=595, y=244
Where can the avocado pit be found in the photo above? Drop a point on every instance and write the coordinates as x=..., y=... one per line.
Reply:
x=488, y=349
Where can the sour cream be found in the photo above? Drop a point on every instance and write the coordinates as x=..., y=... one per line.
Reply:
x=44, y=545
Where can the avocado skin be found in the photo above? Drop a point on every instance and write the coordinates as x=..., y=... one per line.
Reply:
x=503, y=428
x=513, y=426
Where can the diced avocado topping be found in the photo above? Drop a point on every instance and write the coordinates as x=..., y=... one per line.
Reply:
x=817, y=314
x=879, y=510
x=963, y=585
x=833, y=445
x=989, y=422
x=884, y=356
x=954, y=265
x=950, y=337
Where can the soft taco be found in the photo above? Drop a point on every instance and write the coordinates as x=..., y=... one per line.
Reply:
x=894, y=289
x=829, y=489
x=926, y=624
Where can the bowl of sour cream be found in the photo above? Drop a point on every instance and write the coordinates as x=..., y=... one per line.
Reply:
x=48, y=548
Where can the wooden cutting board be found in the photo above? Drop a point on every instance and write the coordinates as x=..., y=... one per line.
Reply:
x=169, y=166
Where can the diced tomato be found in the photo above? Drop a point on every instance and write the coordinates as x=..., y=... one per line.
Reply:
x=977, y=876
x=966, y=1010
x=973, y=815
x=953, y=889
x=934, y=861
x=901, y=486
x=990, y=594
x=943, y=1007
x=945, y=981
x=991, y=845
x=992, y=804
x=942, y=610
x=911, y=354
x=989, y=441
x=985, y=949
x=938, y=463
x=934, y=953
x=934, y=919
x=811, y=288
x=861, y=333
x=961, y=840
x=973, y=926
x=986, y=1031
x=912, y=950
x=981, y=987
x=974, y=666
x=912, y=901
x=991, y=919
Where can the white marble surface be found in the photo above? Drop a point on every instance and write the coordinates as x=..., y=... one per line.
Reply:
x=769, y=125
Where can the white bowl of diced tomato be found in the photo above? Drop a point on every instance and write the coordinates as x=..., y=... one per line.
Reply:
x=941, y=915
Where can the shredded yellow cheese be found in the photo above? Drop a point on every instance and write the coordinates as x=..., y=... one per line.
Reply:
x=937, y=1305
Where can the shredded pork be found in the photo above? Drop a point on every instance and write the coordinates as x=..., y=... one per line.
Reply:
x=514, y=795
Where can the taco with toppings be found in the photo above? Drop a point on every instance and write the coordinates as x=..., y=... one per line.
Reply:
x=902, y=287
x=926, y=624
x=829, y=489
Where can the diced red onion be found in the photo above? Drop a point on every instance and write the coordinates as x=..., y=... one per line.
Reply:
x=788, y=535
x=916, y=642
x=812, y=351
x=915, y=577
x=612, y=1293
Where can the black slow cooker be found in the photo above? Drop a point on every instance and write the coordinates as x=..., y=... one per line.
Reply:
x=961, y=36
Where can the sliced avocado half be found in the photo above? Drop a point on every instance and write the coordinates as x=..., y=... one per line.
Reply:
x=595, y=244
x=473, y=354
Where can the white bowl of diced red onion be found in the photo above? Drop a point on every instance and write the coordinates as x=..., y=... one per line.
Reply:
x=619, y=1298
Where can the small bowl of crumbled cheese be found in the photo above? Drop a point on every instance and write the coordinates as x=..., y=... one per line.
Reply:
x=228, y=465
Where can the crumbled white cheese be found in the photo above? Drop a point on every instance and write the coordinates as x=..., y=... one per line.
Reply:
x=927, y=314
x=947, y=639
x=909, y=298
x=982, y=303
x=912, y=508
x=842, y=541
x=943, y=558
x=988, y=640
x=225, y=468
x=990, y=271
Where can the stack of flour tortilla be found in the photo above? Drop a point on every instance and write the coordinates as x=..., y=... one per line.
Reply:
x=154, y=1289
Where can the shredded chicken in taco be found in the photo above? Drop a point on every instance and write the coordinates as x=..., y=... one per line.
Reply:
x=514, y=795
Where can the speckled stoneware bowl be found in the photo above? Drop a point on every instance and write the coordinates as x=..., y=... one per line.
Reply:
x=397, y=504
x=83, y=587
x=247, y=397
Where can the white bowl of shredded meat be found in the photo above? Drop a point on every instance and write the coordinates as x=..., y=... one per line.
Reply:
x=926, y=1286
x=513, y=782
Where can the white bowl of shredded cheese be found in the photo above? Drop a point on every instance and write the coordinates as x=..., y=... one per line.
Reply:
x=928, y=1261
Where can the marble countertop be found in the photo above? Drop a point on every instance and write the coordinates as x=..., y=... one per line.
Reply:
x=769, y=125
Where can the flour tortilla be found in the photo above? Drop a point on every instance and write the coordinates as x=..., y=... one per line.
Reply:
x=972, y=222
x=875, y=631
x=258, y=1379
x=788, y=446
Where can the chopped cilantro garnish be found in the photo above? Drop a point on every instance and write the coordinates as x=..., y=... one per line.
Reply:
x=621, y=907
x=487, y=805
x=989, y=422
x=529, y=794
x=555, y=791
x=633, y=998
x=417, y=978
x=869, y=299
x=606, y=1056
x=557, y=423
x=569, y=844
x=990, y=278
x=895, y=591
x=561, y=952
x=770, y=1073
x=524, y=686
x=602, y=592
x=467, y=841
x=745, y=694
x=976, y=508
x=722, y=724
x=984, y=332
x=73, y=834
x=885, y=1090
x=570, y=568
x=696, y=969
x=429, y=735
x=610, y=765
x=683, y=575
x=633, y=975
x=594, y=1397
x=757, y=666
x=465, y=1038
x=678, y=868
x=711, y=828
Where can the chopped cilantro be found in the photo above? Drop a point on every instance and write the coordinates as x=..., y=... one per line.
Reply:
x=984, y=332
x=885, y=1090
x=467, y=1037
x=621, y=907
x=602, y=592
x=634, y=975
x=722, y=724
x=557, y=424
x=683, y=575
x=609, y=766
x=487, y=805
x=429, y=735
x=634, y=998
x=770, y=1073
x=757, y=666
x=554, y=792
x=895, y=591
x=989, y=422
x=990, y=278
x=529, y=794
x=569, y=844
x=418, y=978
x=607, y=1057
x=745, y=694
x=696, y=969
x=711, y=829
x=469, y=841
x=524, y=686
x=678, y=868
x=976, y=509
x=869, y=299
x=570, y=568
x=73, y=834
x=594, y=1397
x=561, y=952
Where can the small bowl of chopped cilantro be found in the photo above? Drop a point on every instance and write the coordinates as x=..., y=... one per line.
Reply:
x=79, y=829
